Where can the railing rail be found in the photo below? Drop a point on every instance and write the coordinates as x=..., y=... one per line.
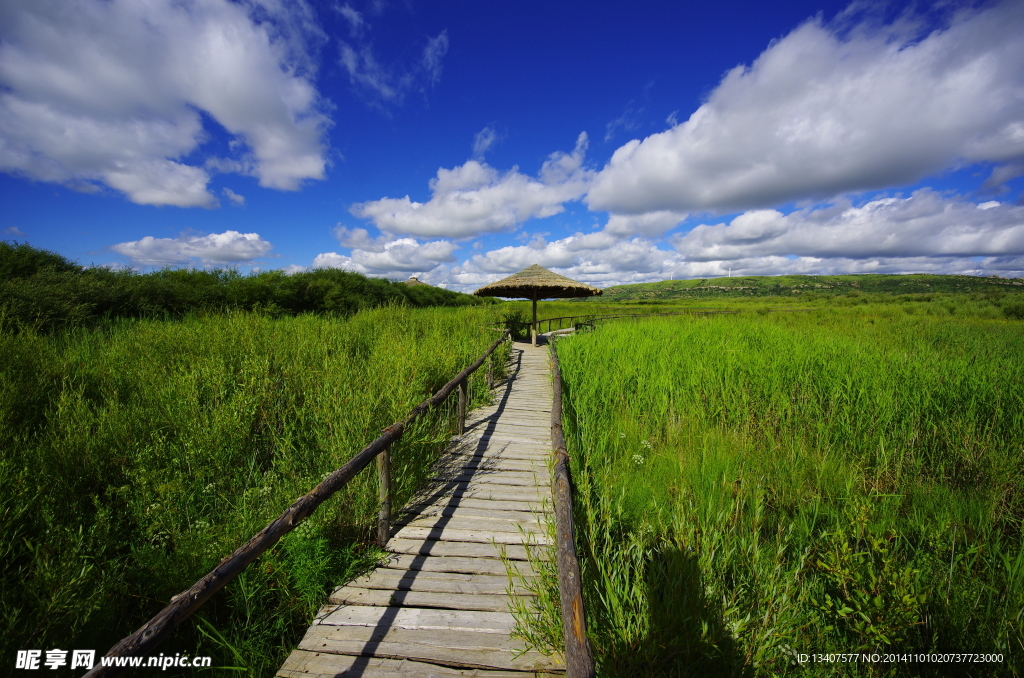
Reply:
x=591, y=318
x=579, y=659
x=183, y=605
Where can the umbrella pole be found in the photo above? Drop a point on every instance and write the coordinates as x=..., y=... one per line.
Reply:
x=534, y=326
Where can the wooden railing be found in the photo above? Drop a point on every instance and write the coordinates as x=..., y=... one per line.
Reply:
x=183, y=605
x=576, y=320
x=579, y=659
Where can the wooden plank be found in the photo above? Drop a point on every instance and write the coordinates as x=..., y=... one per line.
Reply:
x=523, y=517
x=486, y=504
x=435, y=582
x=450, y=564
x=486, y=490
x=496, y=452
x=459, y=549
x=417, y=618
x=465, y=649
x=498, y=463
x=306, y=664
x=346, y=595
x=484, y=475
x=478, y=536
x=468, y=522
x=536, y=440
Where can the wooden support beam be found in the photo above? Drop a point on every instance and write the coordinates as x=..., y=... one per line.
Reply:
x=384, y=487
x=463, y=400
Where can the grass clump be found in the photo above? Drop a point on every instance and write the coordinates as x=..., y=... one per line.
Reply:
x=753, y=487
x=136, y=457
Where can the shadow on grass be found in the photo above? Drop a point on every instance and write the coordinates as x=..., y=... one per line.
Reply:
x=686, y=632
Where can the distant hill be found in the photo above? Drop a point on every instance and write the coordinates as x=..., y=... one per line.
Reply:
x=790, y=285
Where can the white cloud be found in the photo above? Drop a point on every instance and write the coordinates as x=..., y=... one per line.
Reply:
x=474, y=198
x=13, y=230
x=922, y=233
x=229, y=247
x=110, y=92
x=394, y=258
x=821, y=113
x=483, y=141
x=595, y=258
x=234, y=197
x=648, y=224
x=922, y=225
x=386, y=84
x=357, y=24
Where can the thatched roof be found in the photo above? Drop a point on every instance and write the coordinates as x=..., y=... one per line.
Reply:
x=413, y=281
x=537, y=283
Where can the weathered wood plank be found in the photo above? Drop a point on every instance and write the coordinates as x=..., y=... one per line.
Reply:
x=445, y=601
x=482, y=523
x=434, y=582
x=450, y=564
x=527, y=478
x=483, y=503
x=458, y=549
x=466, y=649
x=306, y=664
x=478, y=536
x=485, y=490
x=416, y=618
x=467, y=512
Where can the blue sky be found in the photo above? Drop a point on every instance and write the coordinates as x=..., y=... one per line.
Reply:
x=460, y=142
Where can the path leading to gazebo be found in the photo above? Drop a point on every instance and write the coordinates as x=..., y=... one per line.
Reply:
x=440, y=605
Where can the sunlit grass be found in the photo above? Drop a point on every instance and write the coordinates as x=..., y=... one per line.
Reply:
x=754, y=486
x=135, y=458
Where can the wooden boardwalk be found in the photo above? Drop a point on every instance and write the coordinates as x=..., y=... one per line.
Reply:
x=440, y=605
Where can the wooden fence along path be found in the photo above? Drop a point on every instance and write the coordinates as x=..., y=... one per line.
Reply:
x=440, y=604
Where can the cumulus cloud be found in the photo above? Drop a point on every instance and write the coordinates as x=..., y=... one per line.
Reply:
x=648, y=224
x=110, y=92
x=388, y=258
x=474, y=198
x=922, y=225
x=229, y=247
x=830, y=109
x=595, y=258
x=923, y=233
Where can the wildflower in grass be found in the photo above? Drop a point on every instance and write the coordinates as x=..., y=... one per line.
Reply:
x=638, y=459
x=646, y=443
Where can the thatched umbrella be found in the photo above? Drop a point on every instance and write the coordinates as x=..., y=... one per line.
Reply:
x=535, y=283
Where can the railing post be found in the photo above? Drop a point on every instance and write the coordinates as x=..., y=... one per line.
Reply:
x=384, y=487
x=579, y=657
x=463, y=397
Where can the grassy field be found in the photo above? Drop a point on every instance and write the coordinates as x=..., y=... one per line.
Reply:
x=760, y=485
x=136, y=457
x=802, y=286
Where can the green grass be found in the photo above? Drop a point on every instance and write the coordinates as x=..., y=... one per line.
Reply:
x=136, y=457
x=758, y=485
x=803, y=285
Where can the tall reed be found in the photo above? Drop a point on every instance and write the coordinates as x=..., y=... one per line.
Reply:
x=135, y=458
x=754, y=487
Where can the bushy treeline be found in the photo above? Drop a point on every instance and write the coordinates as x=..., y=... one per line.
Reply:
x=47, y=291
